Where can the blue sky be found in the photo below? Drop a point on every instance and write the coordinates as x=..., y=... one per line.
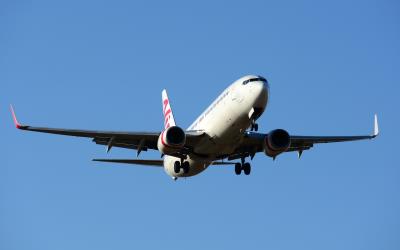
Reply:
x=102, y=65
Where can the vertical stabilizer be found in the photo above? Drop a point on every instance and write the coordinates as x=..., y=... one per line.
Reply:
x=169, y=120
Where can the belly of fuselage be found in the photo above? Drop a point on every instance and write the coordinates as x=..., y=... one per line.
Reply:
x=225, y=128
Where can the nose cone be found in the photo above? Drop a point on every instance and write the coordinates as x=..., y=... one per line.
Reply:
x=260, y=91
x=260, y=88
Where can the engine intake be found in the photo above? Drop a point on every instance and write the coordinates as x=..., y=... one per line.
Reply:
x=277, y=141
x=171, y=140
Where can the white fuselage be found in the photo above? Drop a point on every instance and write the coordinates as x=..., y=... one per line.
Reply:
x=225, y=122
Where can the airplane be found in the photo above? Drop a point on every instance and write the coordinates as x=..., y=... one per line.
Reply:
x=226, y=131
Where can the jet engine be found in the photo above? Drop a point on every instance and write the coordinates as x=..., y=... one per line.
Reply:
x=277, y=141
x=171, y=140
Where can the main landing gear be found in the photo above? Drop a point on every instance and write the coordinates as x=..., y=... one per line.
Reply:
x=245, y=166
x=181, y=164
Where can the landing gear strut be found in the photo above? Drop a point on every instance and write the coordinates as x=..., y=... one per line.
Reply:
x=245, y=166
x=184, y=165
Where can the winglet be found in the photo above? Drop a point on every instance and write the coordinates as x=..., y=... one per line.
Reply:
x=17, y=124
x=376, y=127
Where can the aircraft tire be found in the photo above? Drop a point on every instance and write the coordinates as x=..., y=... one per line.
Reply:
x=246, y=168
x=238, y=168
x=177, y=167
x=185, y=167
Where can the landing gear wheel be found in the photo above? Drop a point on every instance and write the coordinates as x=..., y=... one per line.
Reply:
x=255, y=127
x=185, y=167
x=246, y=168
x=177, y=167
x=238, y=168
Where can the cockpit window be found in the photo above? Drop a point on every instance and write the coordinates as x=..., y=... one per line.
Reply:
x=260, y=78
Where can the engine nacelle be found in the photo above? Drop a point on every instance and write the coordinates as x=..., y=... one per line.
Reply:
x=277, y=141
x=171, y=140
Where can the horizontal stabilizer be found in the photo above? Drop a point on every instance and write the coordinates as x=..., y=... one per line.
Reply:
x=155, y=163
x=221, y=163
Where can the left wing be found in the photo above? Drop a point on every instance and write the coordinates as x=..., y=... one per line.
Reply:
x=140, y=141
x=253, y=142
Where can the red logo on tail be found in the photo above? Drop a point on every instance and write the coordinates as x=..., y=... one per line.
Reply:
x=167, y=113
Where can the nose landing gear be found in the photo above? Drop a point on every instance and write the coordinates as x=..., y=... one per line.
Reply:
x=253, y=126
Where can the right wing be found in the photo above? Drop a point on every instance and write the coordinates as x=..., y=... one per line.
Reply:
x=140, y=141
x=300, y=143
